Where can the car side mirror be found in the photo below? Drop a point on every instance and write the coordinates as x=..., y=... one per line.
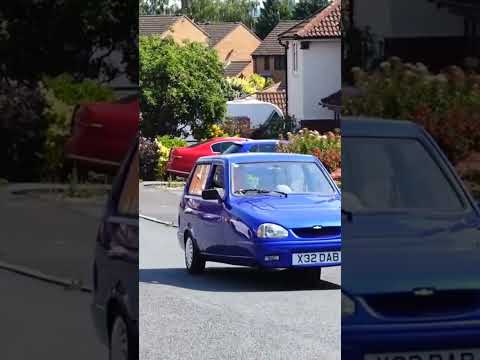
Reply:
x=211, y=194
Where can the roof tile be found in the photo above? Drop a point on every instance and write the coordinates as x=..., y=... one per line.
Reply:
x=325, y=23
x=270, y=45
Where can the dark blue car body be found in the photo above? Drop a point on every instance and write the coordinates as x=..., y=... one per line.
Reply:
x=410, y=280
x=246, y=146
x=226, y=231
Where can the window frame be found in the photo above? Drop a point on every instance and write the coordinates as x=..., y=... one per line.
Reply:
x=123, y=185
x=295, y=57
x=279, y=62
x=209, y=165
x=266, y=63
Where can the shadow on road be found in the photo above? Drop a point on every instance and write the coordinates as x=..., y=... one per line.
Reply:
x=231, y=279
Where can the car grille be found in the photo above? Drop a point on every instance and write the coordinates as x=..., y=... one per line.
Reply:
x=324, y=232
x=442, y=304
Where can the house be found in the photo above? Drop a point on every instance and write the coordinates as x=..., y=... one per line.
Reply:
x=235, y=44
x=419, y=30
x=269, y=59
x=314, y=64
x=180, y=28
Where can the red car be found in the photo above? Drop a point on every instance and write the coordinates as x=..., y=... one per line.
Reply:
x=102, y=133
x=182, y=159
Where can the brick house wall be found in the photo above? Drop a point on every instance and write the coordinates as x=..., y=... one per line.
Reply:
x=238, y=45
x=273, y=66
x=185, y=30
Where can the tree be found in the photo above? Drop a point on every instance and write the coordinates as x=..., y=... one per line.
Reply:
x=76, y=37
x=182, y=88
x=272, y=12
x=220, y=10
x=156, y=7
x=305, y=8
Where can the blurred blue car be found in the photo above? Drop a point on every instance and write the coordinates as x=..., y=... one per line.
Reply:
x=261, y=210
x=255, y=146
x=410, y=246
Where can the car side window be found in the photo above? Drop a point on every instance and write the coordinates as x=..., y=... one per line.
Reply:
x=217, y=180
x=217, y=147
x=128, y=201
x=199, y=179
x=221, y=146
x=267, y=148
x=254, y=148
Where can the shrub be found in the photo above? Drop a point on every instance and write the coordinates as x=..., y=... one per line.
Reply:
x=326, y=147
x=148, y=154
x=62, y=93
x=22, y=132
x=164, y=145
x=275, y=127
x=446, y=104
x=240, y=87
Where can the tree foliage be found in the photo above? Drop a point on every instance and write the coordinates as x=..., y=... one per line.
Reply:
x=22, y=132
x=272, y=12
x=305, y=8
x=66, y=36
x=156, y=7
x=221, y=10
x=182, y=87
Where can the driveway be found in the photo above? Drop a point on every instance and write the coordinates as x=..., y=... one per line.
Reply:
x=230, y=312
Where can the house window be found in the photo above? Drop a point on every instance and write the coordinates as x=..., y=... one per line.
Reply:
x=295, y=57
x=279, y=62
x=266, y=65
x=255, y=65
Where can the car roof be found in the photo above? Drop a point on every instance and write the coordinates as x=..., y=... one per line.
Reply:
x=258, y=157
x=259, y=141
x=369, y=126
x=230, y=138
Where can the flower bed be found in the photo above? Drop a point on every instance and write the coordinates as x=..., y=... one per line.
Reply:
x=326, y=147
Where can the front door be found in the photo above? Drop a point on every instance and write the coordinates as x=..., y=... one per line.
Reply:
x=212, y=213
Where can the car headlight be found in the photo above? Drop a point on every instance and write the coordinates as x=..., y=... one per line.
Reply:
x=348, y=306
x=271, y=231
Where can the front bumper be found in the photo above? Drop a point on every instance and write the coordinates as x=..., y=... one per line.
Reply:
x=285, y=248
x=359, y=340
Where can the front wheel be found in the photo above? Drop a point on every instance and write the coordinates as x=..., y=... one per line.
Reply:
x=120, y=346
x=194, y=261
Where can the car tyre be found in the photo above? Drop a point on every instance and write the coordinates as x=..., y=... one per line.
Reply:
x=194, y=262
x=120, y=346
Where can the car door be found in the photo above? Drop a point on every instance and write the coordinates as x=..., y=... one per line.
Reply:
x=213, y=213
x=194, y=207
x=116, y=270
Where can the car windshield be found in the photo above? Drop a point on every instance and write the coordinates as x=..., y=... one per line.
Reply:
x=232, y=149
x=388, y=174
x=282, y=177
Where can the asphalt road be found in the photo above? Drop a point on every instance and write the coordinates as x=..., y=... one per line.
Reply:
x=44, y=321
x=230, y=312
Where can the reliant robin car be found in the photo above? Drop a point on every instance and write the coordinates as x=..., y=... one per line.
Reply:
x=410, y=245
x=261, y=210
x=114, y=305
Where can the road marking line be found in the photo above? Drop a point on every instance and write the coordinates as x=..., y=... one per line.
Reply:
x=32, y=273
x=163, y=222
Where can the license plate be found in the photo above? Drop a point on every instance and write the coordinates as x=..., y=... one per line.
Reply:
x=317, y=258
x=467, y=354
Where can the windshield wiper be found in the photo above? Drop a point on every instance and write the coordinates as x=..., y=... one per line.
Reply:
x=261, y=191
